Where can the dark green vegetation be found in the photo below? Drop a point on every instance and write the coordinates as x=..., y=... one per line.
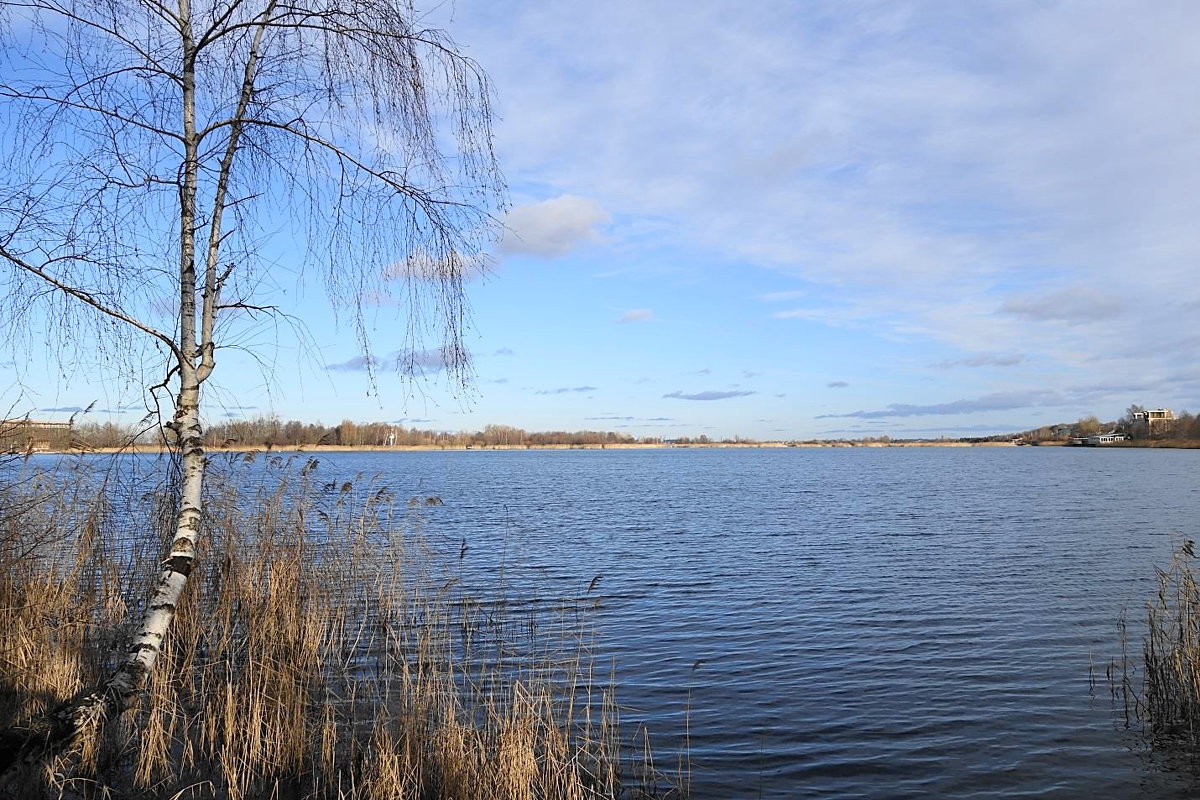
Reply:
x=326, y=650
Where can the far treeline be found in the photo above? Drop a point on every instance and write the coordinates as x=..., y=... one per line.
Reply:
x=267, y=432
x=263, y=432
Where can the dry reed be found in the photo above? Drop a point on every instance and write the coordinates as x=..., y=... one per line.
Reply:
x=1162, y=701
x=323, y=650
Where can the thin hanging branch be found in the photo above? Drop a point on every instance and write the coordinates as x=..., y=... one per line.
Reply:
x=155, y=134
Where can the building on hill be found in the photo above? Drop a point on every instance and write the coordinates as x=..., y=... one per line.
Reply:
x=1152, y=415
x=28, y=435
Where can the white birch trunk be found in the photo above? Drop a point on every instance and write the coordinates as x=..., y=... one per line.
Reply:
x=143, y=651
x=445, y=220
x=64, y=727
x=56, y=735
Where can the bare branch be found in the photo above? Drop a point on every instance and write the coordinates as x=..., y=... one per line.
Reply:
x=10, y=93
x=108, y=30
x=86, y=298
x=160, y=145
x=213, y=283
x=248, y=307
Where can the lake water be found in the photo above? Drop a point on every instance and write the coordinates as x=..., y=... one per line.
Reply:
x=867, y=622
x=846, y=622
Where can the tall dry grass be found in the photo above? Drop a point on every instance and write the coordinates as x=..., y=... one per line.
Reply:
x=323, y=650
x=1160, y=692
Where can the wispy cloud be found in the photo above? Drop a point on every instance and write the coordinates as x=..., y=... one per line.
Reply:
x=553, y=228
x=356, y=364
x=775, y=297
x=567, y=390
x=420, y=362
x=837, y=385
x=1074, y=306
x=982, y=361
x=929, y=185
x=996, y=401
x=423, y=267
x=706, y=395
x=637, y=315
x=417, y=363
x=965, y=430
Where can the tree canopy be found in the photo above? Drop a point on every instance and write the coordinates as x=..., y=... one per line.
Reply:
x=206, y=154
x=174, y=166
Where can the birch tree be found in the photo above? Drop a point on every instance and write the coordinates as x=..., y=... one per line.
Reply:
x=161, y=150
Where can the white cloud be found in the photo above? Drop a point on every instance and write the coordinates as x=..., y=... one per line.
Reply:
x=566, y=390
x=1074, y=306
x=356, y=364
x=415, y=363
x=775, y=297
x=708, y=395
x=985, y=360
x=919, y=165
x=424, y=267
x=998, y=401
x=553, y=228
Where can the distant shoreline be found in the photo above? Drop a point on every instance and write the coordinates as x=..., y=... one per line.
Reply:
x=1169, y=444
x=337, y=448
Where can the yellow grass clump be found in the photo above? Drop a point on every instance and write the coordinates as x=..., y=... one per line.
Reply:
x=1162, y=700
x=323, y=650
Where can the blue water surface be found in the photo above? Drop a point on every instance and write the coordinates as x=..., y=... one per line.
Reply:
x=866, y=622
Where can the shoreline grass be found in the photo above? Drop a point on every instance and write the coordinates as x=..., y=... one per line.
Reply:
x=323, y=650
x=1159, y=688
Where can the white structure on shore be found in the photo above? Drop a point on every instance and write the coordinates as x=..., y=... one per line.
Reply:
x=33, y=436
x=1153, y=415
x=1106, y=438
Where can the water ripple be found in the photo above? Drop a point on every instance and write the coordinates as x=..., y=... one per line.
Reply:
x=867, y=623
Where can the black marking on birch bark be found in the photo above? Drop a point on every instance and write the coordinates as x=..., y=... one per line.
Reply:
x=163, y=607
x=182, y=543
x=141, y=647
x=180, y=564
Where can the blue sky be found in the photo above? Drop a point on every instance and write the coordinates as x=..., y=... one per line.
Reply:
x=792, y=220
